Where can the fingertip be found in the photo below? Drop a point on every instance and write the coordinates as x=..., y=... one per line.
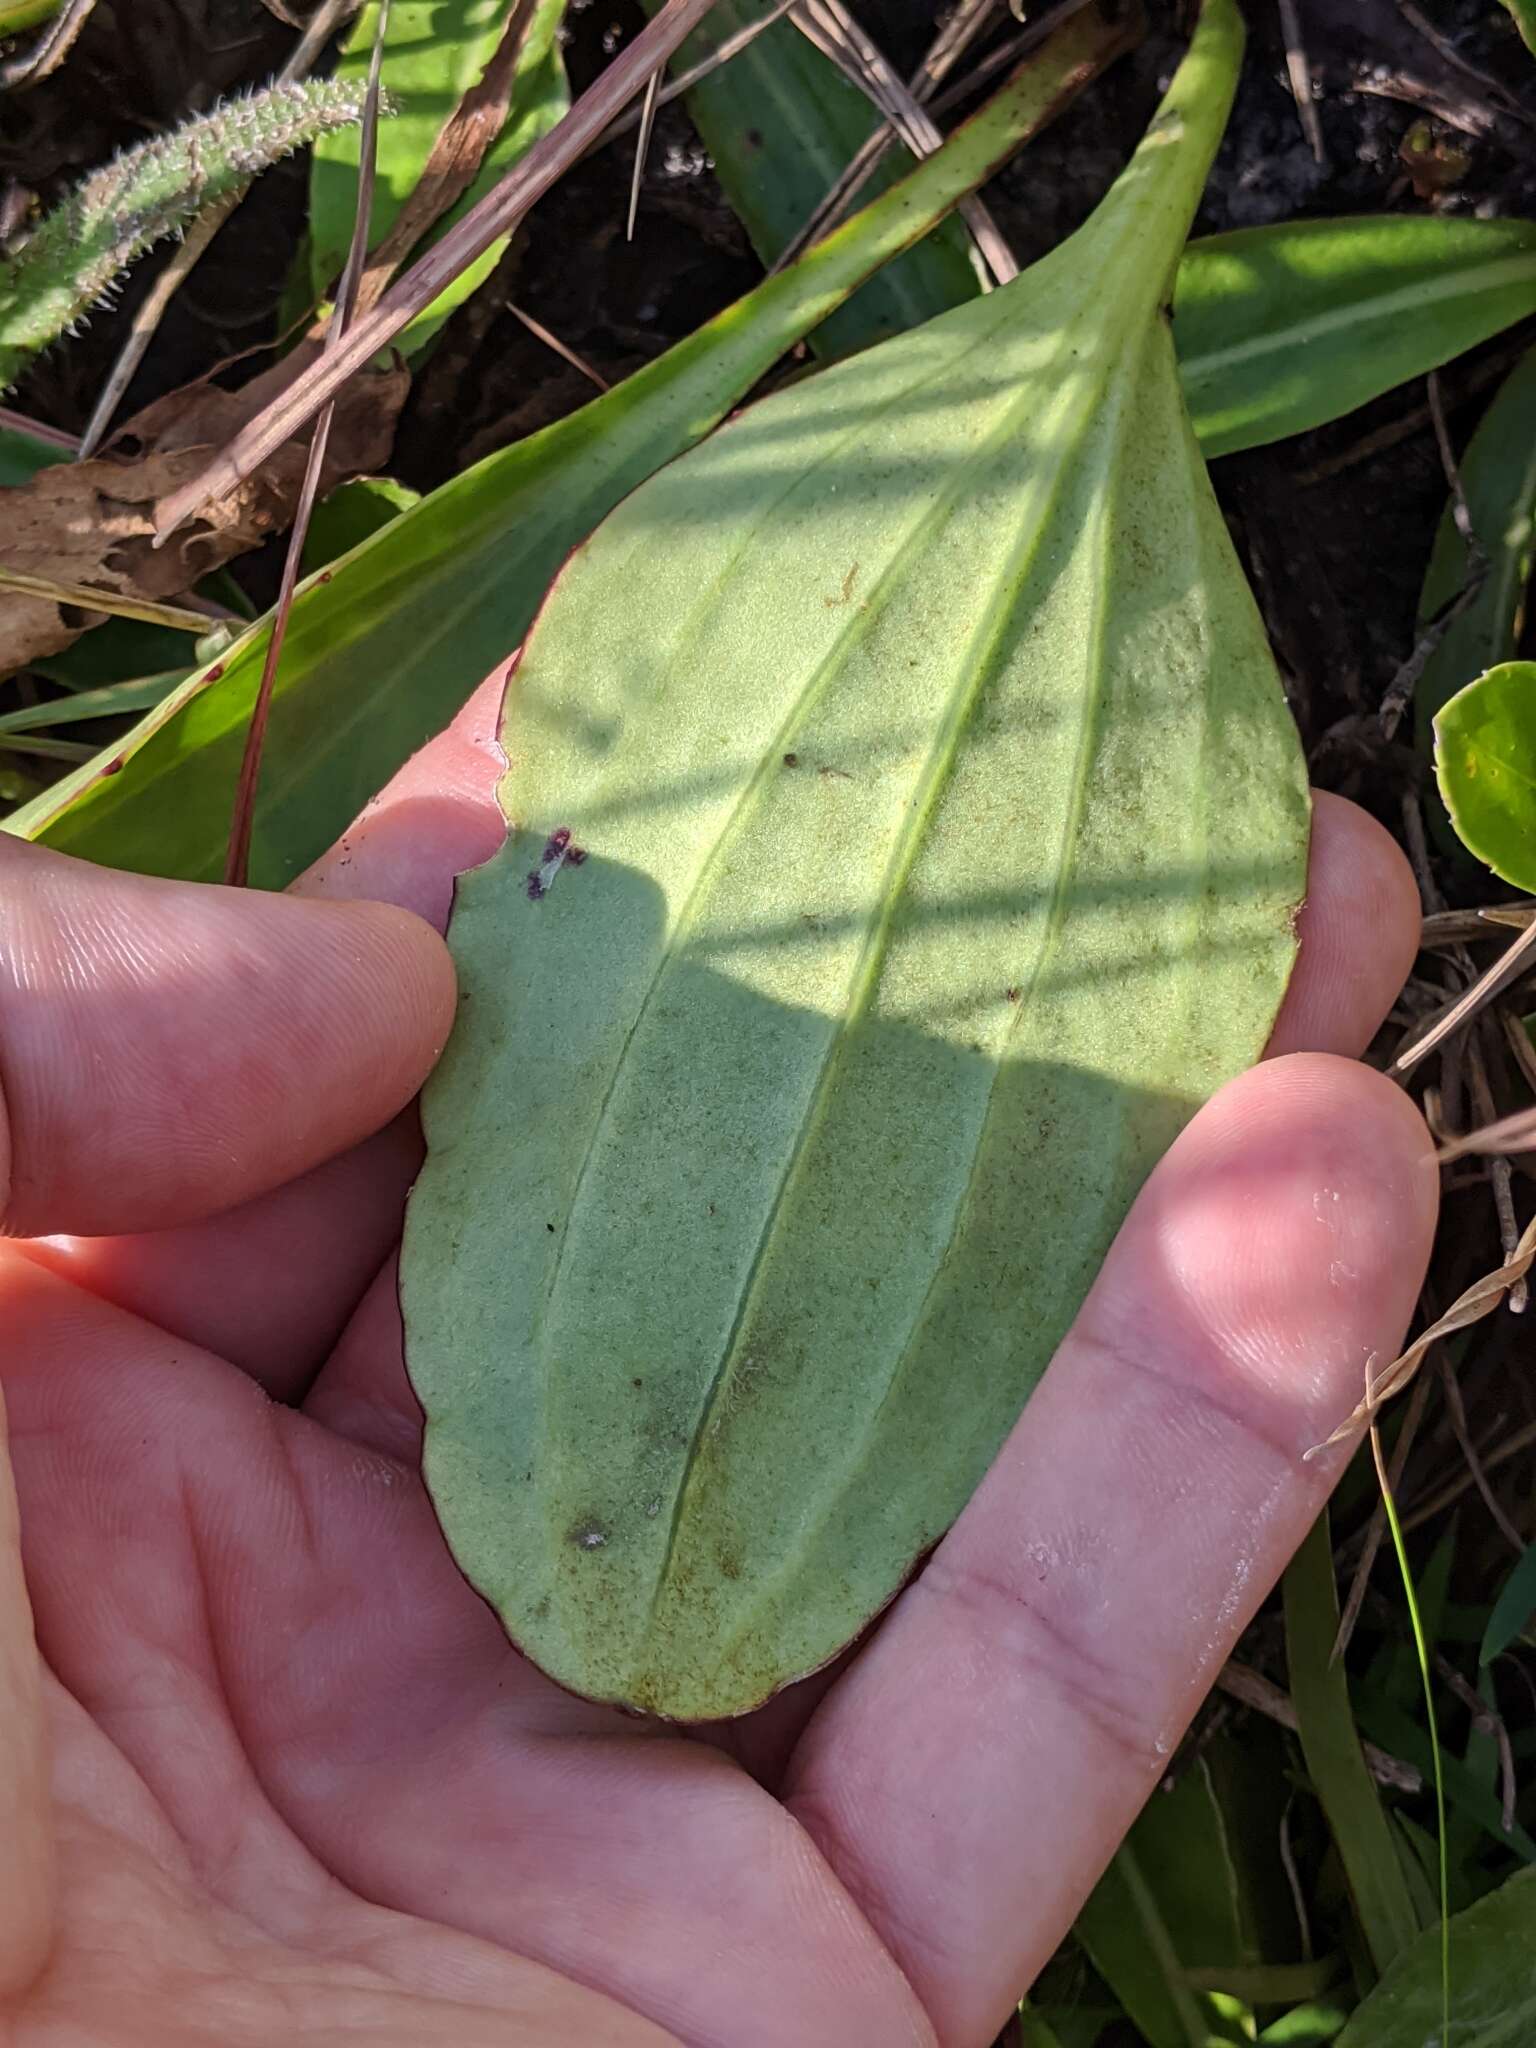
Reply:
x=1284, y=1238
x=1359, y=932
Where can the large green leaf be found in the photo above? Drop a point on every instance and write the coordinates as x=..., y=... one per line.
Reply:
x=1283, y=328
x=1493, y=1981
x=386, y=644
x=1498, y=476
x=1485, y=760
x=782, y=123
x=943, y=823
x=434, y=52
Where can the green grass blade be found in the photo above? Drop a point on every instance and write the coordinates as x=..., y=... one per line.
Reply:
x=1284, y=328
x=381, y=654
x=1421, y=1647
x=781, y=123
x=113, y=700
x=1320, y=1694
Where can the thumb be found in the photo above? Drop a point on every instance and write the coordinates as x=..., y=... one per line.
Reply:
x=168, y=1049
x=26, y=1835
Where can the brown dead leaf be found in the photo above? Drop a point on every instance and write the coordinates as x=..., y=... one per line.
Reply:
x=93, y=522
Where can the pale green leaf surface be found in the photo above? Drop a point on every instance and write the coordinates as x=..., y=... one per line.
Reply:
x=1485, y=762
x=382, y=654
x=1498, y=477
x=353, y=513
x=944, y=825
x=1493, y=1981
x=781, y=124
x=1283, y=328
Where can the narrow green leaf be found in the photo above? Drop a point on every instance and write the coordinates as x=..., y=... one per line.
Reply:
x=1493, y=1981
x=1513, y=1609
x=1129, y=1943
x=782, y=123
x=385, y=652
x=1485, y=763
x=1320, y=1694
x=1172, y=1898
x=1284, y=328
x=1498, y=475
x=945, y=823
x=434, y=51
x=112, y=701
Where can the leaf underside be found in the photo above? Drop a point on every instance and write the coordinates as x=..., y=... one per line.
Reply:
x=941, y=826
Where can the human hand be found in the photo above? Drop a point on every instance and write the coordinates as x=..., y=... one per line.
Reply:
x=302, y=1791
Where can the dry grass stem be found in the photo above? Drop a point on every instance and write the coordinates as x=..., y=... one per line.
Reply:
x=484, y=224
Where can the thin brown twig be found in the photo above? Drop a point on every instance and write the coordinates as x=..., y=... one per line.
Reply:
x=238, y=860
x=1514, y=960
x=1399, y=693
x=1457, y=927
x=1512, y=1447
x=838, y=199
x=1498, y=1163
x=1456, y=1409
x=1299, y=72
x=834, y=31
x=642, y=146
x=729, y=47
x=562, y=349
x=1252, y=1689
x=485, y=223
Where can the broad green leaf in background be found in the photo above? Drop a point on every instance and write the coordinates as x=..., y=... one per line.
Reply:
x=1320, y=1693
x=1284, y=328
x=1493, y=1980
x=434, y=52
x=1524, y=12
x=353, y=513
x=1485, y=763
x=1498, y=476
x=782, y=123
x=1513, y=1609
x=1306, y=2026
x=384, y=653
x=943, y=822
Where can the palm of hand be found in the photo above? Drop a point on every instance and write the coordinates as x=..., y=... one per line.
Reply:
x=303, y=1789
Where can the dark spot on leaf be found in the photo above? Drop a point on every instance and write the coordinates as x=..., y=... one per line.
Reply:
x=791, y=760
x=754, y=138
x=589, y=1535
x=214, y=673
x=1012, y=994
x=637, y=1383
x=550, y=1227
